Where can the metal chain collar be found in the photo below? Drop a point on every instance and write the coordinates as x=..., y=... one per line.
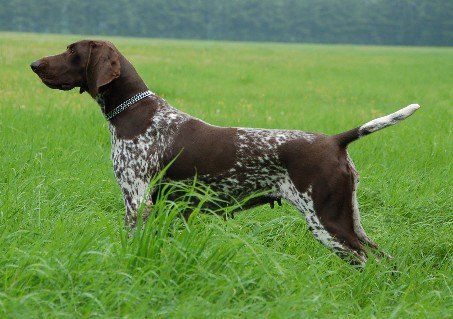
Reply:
x=120, y=108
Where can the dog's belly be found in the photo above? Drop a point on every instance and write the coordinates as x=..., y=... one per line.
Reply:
x=241, y=181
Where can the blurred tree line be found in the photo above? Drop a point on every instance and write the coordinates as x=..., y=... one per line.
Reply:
x=401, y=22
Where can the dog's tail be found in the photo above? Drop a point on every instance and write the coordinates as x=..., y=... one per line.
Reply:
x=347, y=137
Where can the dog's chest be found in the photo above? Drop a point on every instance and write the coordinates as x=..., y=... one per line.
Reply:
x=136, y=160
x=132, y=160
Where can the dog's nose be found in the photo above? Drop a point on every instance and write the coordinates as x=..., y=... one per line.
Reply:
x=35, y=65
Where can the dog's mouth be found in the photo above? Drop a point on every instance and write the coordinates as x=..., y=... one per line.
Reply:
x=62, y=86
x=50, y=82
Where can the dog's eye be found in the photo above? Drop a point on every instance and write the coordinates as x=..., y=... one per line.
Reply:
x=71, y=51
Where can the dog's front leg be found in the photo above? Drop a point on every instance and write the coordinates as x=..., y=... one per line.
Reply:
x=130, y=216
x=134, y=198
x=147, y=209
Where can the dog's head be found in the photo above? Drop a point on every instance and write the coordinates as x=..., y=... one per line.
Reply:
x=86, y=64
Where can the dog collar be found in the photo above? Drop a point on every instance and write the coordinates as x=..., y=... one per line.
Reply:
x=131, y=101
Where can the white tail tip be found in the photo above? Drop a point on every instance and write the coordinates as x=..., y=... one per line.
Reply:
x=409, y=110
x=382, y=122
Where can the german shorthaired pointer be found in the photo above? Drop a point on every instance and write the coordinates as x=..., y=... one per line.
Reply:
x=311, y=171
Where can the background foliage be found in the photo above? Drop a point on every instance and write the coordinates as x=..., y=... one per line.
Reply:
x=403, y=22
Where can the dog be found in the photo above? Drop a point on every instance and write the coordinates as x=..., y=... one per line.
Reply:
x=312, y=171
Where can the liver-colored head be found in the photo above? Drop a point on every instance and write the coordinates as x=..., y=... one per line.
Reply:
x=86, y=64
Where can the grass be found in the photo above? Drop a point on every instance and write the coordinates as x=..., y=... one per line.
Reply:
x=64, y=253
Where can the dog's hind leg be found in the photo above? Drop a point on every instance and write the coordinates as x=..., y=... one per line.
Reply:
x=361, y=234
x=358, y=228
x=305, y=204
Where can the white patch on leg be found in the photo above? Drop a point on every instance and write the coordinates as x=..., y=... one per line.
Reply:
x=304, y=203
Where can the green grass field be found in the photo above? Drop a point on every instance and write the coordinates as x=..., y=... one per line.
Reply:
x=63, y=248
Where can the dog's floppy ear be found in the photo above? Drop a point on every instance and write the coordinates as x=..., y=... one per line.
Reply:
x=103, y=66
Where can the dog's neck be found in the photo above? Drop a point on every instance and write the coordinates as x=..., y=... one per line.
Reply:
x=137, y=118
